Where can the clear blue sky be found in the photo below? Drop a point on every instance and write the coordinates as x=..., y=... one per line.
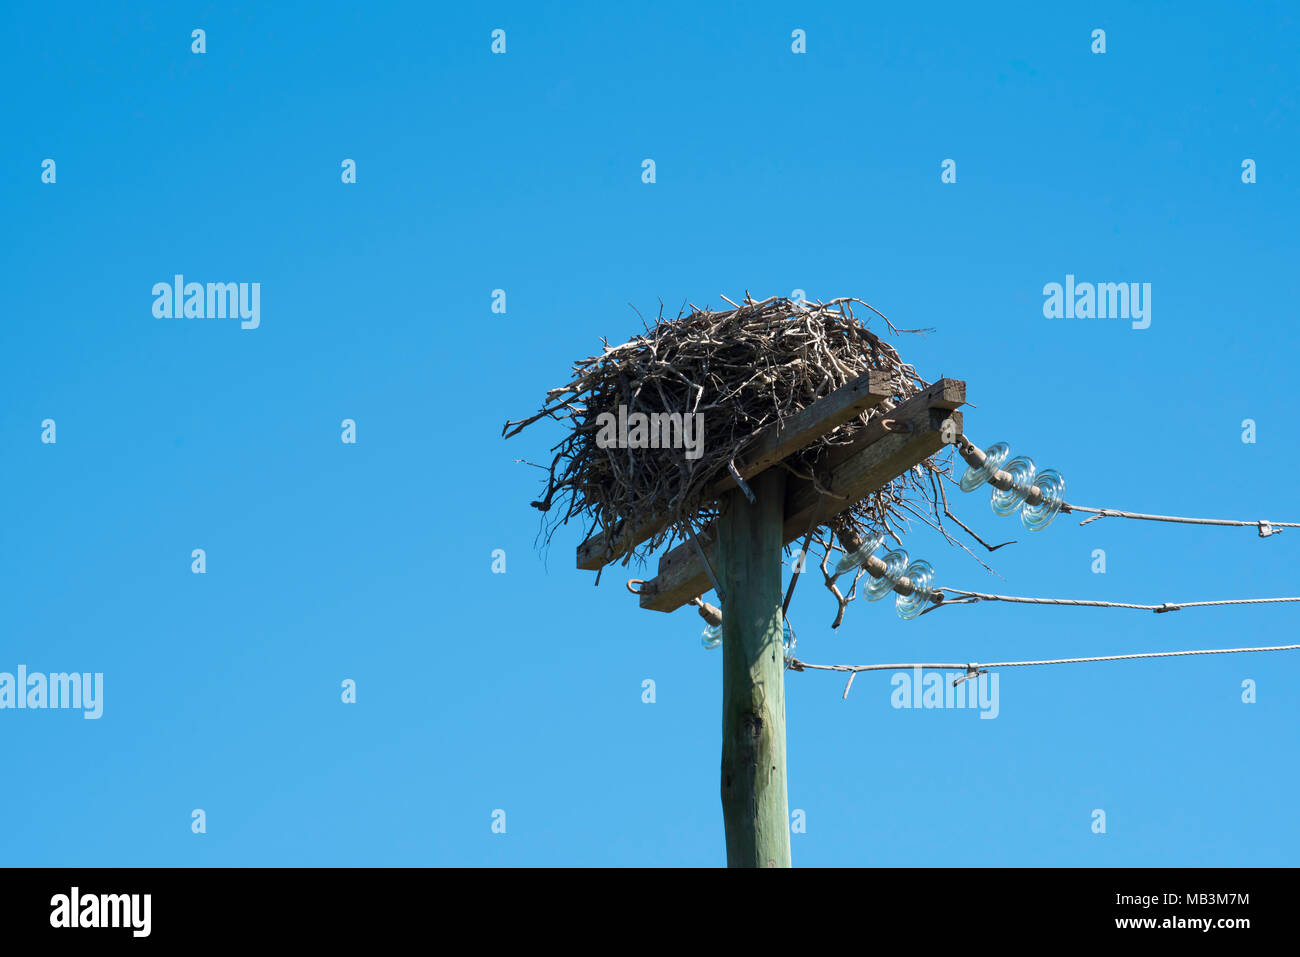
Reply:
x=775, y=171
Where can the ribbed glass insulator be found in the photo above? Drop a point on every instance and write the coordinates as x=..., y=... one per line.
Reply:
x=858, y=558
x=1021, y=469
x=1038, y=517
x=895, y=565
x=994, y=456
x=921, y=574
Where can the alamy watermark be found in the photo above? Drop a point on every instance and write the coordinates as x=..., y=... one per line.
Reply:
x=179, y=299
x=59, y=689
x=1102, y=300
x=653, y=430
x=75, y=909
x=913, y=689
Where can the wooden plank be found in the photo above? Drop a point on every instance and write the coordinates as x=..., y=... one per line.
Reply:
x=774, y=443
x=782, y=439
x=852, y=473
x=754, y=800
x=871, y=469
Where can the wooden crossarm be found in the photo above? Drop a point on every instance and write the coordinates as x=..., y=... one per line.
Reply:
x=888, y=447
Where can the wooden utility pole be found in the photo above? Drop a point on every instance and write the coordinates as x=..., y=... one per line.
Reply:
x=754, y=805
x=745, y=544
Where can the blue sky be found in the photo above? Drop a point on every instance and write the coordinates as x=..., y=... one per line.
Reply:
x=522, y=691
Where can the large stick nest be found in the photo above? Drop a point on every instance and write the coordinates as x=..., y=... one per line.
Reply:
x=743, y=369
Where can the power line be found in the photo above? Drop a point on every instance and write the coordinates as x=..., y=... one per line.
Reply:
x=973, y=669
x=970, y=597
x=1265, y=528
x=1040, y=496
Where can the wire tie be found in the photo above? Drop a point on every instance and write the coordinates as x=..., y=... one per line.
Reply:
x=1167, y=607
x=973, y=670
x=704, y=560
x=740, y=482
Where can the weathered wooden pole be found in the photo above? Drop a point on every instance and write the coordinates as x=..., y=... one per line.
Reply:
x=755, y=808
